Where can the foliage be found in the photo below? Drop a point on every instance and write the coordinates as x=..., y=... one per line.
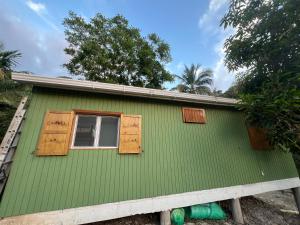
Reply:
x=238, y=87
x=10, y=91
x=194, y=80
x=266, y=43
x=110, y=50
x=11, y=94
x=7, y=61
x=276, y=108
x=217, y=93
x=231, y=92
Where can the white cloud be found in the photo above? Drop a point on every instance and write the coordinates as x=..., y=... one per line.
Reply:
x=38, y=8
x=42, y=52
x=213, y=15
x=214, y=5
x=180, y=66
x=223, y=78
x=41, y=10
x=209, y=23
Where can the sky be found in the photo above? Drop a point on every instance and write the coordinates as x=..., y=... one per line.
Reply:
x=191, y=28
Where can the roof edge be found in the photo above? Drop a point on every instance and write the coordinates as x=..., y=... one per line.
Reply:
x=116, y=89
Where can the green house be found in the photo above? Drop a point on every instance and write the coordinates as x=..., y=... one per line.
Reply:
x=91, y=151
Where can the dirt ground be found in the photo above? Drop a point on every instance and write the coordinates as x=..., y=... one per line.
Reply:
x=273, y=208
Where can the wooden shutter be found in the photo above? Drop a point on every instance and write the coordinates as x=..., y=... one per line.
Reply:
x=55, y=134
x=258, y=138
x=130, y=134
x=193, y=115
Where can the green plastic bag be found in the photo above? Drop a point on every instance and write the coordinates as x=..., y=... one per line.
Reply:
x=217, y=212
x=177, y=216
x=206, y=211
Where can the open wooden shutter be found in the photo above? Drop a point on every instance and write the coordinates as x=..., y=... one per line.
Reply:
x=193, y=115
x=258, y=138
x=55, y=134
x=130, y=134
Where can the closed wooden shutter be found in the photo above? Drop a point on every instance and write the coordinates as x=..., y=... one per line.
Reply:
x=193, y=115
x=55, y=134
x=130, y=134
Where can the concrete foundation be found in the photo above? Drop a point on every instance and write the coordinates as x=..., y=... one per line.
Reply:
x=165, y=218
x=296, y=192
x=237, y=211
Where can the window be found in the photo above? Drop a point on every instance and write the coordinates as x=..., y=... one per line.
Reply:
x=193, y=115
x=92, y=131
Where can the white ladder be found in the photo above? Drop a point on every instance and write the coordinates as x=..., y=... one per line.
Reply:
x=9, y=143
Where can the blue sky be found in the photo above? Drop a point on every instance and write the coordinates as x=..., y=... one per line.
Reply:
x=34, y=27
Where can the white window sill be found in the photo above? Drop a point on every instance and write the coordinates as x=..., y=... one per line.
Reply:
x=92, y=148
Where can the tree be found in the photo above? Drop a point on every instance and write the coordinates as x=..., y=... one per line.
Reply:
x=10, y=91
x=194, y=80
x=217, y=93
x=110, y=50
x=266, y=42
x=7, y=61
x=238, y=87
x=231, y=92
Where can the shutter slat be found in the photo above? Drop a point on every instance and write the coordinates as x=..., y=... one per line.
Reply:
x=130, y=134
x=56, y=134
x=193, y=115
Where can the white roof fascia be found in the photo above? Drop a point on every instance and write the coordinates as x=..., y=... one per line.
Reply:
x=116, y=89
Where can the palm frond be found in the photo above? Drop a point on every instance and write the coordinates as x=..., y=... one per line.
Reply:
x=205, y=81
x=179, y=77
x=181, y=88
x=206, y=73
x=195, y=82
x=8, y=59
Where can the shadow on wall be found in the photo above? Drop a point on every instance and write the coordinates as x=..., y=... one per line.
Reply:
x=296, y=157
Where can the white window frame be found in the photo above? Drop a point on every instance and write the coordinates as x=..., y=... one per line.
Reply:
x=97, y=133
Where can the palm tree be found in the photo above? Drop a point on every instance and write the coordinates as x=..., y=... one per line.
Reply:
x=194, y=80
x=10, y=91
x=7, y=61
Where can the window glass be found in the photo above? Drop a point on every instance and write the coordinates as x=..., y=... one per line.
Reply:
x=109, y=131
x=85, y=132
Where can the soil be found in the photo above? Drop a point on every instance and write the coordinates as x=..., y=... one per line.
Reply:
x=273, y=208
x=144, y=219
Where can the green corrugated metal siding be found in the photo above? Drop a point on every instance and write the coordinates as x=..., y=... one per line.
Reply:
x=177, y=157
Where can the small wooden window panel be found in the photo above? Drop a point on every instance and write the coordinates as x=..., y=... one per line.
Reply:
x=193, y=115
x=96, y=131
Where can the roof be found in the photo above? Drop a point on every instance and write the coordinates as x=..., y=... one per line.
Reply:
x=116, y=89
